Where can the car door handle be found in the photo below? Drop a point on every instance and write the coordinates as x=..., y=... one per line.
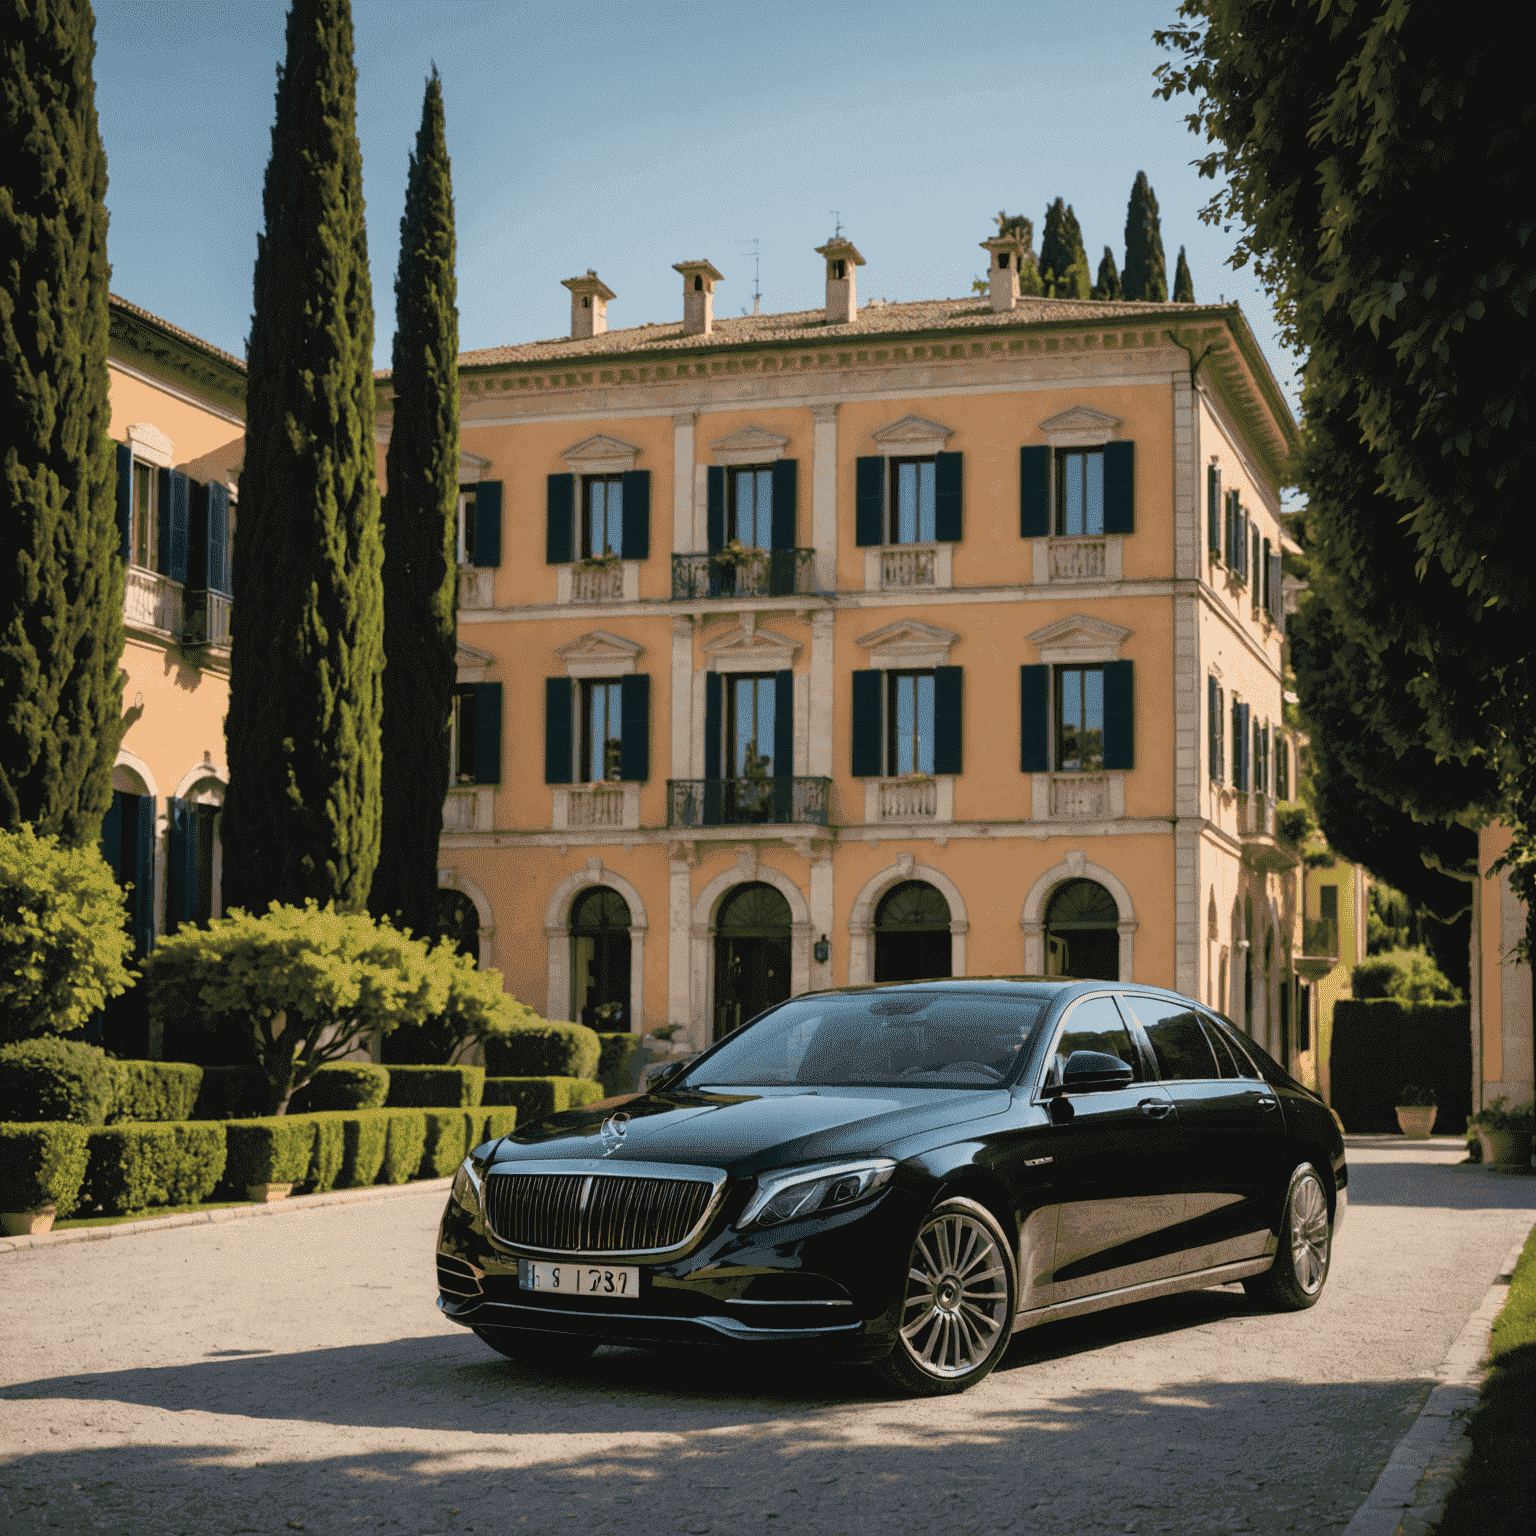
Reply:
x=1268, y=1103
x=1159, y=1109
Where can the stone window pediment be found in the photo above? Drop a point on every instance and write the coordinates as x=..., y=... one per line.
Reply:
x=1080, y=426
x=150, y=444
x=749, y=445
x=908, y=643
x=912, y=436
x=750, y=649
x=1080, y=639
x=472, y=663
x=600, y=455
x=600, y=654
x=471, y=467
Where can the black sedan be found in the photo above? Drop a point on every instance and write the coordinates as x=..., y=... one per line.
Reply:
x=904, y=1175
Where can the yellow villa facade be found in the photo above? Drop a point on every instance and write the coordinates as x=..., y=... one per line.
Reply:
x=871, y=642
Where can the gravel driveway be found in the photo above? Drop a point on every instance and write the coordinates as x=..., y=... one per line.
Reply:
x=293, y=1374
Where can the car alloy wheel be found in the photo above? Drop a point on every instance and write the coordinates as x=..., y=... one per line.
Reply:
x=1295, y=1280
x=957, y=1309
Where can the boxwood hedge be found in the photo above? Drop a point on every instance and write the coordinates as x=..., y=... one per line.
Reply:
x=231, y=1093
x=156, y=1090
x=536, y=1097
x=543, y=1050
x=49, y=1079
x=134, y=1167
x=42, y=1164
x=342, y=1085
x=435, y=1087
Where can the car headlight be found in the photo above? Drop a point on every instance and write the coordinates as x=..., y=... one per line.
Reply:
x=792, y=1193
x=466, y=1187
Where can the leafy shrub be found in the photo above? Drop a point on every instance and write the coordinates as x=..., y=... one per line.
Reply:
x=621, y=1063
x=134, y=1167
x=435, y=1087
x=446, y=1140
x=1411, y=1096
x=1294, y=823
x=230, y=1093
x=64, y=944
x=273, y=1150
x=343, y=1085
x=42, y=1165
x=325, y=1155
x=156, y=1090
x=56, y=1080
x=364, y=1133
x=534, y=1098
x=477, y=1007
x=543, y=1049
x=500, y=1120
x=1409, y=975
x=1498, y=1116
x=403, y=1147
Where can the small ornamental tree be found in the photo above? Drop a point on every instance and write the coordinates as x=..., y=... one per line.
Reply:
x=1146, y=268
x=1108, y=284
x=64, y=942
x=1183, y=283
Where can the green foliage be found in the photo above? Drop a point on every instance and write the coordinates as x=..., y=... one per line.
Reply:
x=56, y=1080
x=403, y=1149
x=1389, y=920
x=1108, y=284
x=1411, y=1096
x=61, y=620
x=42, y=1165
x=1409, y=975
x=156, y=1090
x=301, y=817
x=1063, y=261
x=343, y=1085
x=491, y=1124
x=230, y=1093
x=1378, y=1044
x=476, y=1007
x=621, y=1063
x=1146, y=268
x=326, y=1153
x=542, y=1049
x=420, y=511
x=435, y=1087
x=535, y=1098
x=1183, y=283
x=133, y=1167
x=365, y=1134
x=1293, y=823
x=1498, y=1116
x=63, y=940
x=446, y=1140
x=272, y=1150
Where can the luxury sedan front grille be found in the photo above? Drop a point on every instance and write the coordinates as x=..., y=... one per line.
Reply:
x=593, y=1213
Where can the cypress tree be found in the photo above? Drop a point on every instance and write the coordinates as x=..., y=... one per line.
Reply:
x=301, y=818
x=1146, y=268
x=1021, y=225
x=1108, y=285
x=1183, y=283
x=420, y=573
x=62, y=637
x=1063, y=261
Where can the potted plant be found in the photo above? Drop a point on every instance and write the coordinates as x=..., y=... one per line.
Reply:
x=1416, y=1111
x=609, y=560
x=1506, y=1133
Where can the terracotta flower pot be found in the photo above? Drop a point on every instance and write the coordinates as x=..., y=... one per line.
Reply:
x=28, y=1223
x=265, y=1194
x=1506, y=1149
x=1416, y=1121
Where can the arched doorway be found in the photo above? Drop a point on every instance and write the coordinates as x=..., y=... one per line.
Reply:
x=752, y=931
x=458, y=922
x=599, y=928
x=1082, y=932
x=912, y=933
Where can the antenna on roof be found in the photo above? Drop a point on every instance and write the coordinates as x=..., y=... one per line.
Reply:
x=757, y=274
x=837, y=234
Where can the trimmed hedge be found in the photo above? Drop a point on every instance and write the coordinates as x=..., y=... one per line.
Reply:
x=329, y=1148
x=231, y=1093
x=1381, y=1044
x=342, y=1085
x=492, y=1124
x=42, y=1165
x=275, y=1149
x=133, y=1167
x=621, y=1063
x=543, y=1050
x=403, y=1149
x=156, y=1090
x=536, y=1097
x=49, y=1079
x=445, y=1142
x=435, y=1087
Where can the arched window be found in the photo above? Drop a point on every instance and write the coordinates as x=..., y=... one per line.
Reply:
x=599, y=929
x=1082, y=936
x=912, y=940
x=752, y=932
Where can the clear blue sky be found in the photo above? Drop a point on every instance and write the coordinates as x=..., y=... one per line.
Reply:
x=626, y=137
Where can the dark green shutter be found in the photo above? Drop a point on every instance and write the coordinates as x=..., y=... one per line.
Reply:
x=175, y=524
x=785, y=493
x=949, y=497
x=1035, y=719
x=1241, y=748
x=1213, y=510
x=1119, y=487
x=635, y=539
x=869, y=500
x=948, y=719
x=180, y=864
x=143, y=866
x=1264, y=573
x=1212, y=725
x=713, y=799
x=560, y=528
x=715, y=507
x=558, y=722
x=1229, y=502
x=1255, y=556
x=1034, y=491
x=783, y=746
x=488, y=522
x=488, y=733
x=1276, y=586
x=125, y=501
x=218, y=537
x=1119, y=714
x=867, y=722
x=634, y=721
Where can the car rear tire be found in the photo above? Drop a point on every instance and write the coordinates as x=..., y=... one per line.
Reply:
x=544, y=1351
x=957, y=1304
x=1295, y=1280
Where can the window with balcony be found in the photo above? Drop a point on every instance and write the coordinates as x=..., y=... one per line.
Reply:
x=749, y=725
x=602, y=516
x=1078, y=733
x=142, y=540
x=749, y=506
x=475, y=734
x=914, y=501
x=909, y=714
x=1079, y=492
x=1079, y=719
x=602, y=730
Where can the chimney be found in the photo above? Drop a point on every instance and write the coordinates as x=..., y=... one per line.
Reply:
x=1003, y=278
x=842, y=290
x=589, y=304
x=699, y=279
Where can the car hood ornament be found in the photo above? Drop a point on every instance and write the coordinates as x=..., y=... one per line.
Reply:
x=613, y=1132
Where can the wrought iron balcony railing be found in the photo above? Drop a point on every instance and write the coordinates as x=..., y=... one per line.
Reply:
x=763, y=573
x=205, y=620
x=1320, y=936
x=1255, y=815
x=748, y=802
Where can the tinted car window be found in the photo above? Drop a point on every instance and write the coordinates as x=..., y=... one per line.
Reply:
x=1235, y=1047
x=1178, y=1042
x=1095, y=1025
x=1264, y=1065
x=1226, y=1066
x=922, y=1039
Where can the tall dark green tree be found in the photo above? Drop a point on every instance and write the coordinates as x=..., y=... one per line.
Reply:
x=62, y=637
x=1108, y=284
x=420, y=573
x=1063, y=261
x=301, y=818
x=1146, y=268
x=1183, y=283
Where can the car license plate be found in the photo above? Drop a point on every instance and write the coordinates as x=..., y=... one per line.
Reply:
x=617, y=1280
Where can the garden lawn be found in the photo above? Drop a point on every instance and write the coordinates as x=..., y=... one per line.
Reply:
x=153, y=1212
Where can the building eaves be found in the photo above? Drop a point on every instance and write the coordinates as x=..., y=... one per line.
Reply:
x=166, y=347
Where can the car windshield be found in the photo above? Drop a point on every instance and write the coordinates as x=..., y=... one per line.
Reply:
x=925, y=1039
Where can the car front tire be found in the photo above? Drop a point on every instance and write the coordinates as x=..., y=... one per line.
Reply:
x=1295, y=1280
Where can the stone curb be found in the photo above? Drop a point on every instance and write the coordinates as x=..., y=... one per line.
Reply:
x=1410, y=1494
x=233, y=1213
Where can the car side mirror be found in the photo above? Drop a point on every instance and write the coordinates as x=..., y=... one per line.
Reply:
x=1093, y=1072
x=659, y=1077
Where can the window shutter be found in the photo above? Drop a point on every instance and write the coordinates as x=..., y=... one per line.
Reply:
x=1213, y=726
x=1035, y=719
x=1282, y=767
x=175, y=524
x=1034, y=491
x=635, y=534
x=949, y=497
x=634, y=719
x=783, y=724
x=1213, y=510
x=948, y=719
x=488, y=521
x=1119, y=487
x=1264, y=575
x=712, y=725
x=1241, y=747
x=869, y=501
x=144, y=874
x=1260, y=760
x=1257, y=560
x=488, y=733
x=559, y=742
x=125, y=500
x=1229, y=503
x=867, y=722
x=1119, y=714
x=1276, y=585
x=716, y=505
x=786, y=474
x=180, y=864
x=218, y=537
x=560, y=529
x=1221, y=732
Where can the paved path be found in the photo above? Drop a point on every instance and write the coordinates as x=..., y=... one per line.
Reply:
x=266, y=1376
